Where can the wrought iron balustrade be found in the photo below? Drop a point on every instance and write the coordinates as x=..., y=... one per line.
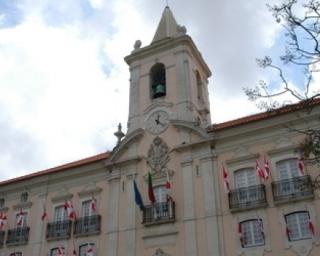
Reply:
x=87, y=225
x=247, y=197
x=18, y=236
x=159, y=213
x=59, y=230
x=2, y=235
x=294, y=188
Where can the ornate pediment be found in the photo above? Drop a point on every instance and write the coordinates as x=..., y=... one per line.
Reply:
x=159, y=252
x=158, y=155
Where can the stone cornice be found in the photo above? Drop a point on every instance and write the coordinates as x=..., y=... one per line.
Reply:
x=241, y=159
x=25, y=205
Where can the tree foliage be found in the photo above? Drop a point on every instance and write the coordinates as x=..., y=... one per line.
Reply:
x=301, y=21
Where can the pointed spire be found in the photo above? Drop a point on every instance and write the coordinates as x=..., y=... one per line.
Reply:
x=167, y=27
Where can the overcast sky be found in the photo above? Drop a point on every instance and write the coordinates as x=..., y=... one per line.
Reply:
x=62, y=74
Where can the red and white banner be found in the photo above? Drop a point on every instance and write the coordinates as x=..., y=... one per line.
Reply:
x=311, y=228
x=168, y=183
x=89, y=251
x=70, y=210
x=3, y=220
x=267, y=168
x=20, y=219
x=60, y=251
x=225, y=176
x=301, y=167
x=93, y=206
x=260, y=171
x=240, y=233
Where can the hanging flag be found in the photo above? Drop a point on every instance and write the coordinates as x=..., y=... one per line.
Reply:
x=93, y=205
x=311, y=227
x=168, y=183
x=60, y=251
x=44, y=215
x=242, y=242
x=259, y=170
x=301, y=166
x=152, y=198
x=260, y=226
x=74, y=253
x=225, y=180
x=89, y=251
x=288, y=232
x=267, y=170
x=20, y=218
x=3, y=220
x=137, y=196
x=70, y=210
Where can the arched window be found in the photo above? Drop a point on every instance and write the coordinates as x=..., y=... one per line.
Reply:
x=298, y=226
x=252, y=233
x=158, y=81
x=87, y=249
x=288, y=168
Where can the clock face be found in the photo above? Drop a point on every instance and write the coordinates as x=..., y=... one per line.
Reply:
x=157, y=122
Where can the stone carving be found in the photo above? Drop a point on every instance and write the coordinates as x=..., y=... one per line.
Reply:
x=159, y=252
x=137, y=44
x=158, y=155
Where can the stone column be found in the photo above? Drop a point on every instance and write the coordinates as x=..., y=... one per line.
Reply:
x=113, y=213
x=131, y=217
x=211, y=203
x=134, y=99
x=188, y=208
x=39, y=227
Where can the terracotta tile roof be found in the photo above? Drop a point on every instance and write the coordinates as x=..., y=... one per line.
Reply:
x=88, y=160
x=264, y=115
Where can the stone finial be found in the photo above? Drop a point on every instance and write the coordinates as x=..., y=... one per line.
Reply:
x=137, y=44
x=119, y=134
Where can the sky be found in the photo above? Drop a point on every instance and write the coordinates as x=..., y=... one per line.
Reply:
x=62, y=73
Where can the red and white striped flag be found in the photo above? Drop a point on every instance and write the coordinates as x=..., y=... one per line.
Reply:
x=266, y=167
x=259, y=171
x=288, y=232
x=20, y=218
x=301, y=166
x=93, y=205
x=89, y=251
x=60, y=251
x=311, y=227
x=3, y=220
x=70, y=210
x=242, y=242
x=225, y=180
x=168, y=183
x=44, y=215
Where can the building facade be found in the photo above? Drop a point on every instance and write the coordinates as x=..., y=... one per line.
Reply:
x=209, y=197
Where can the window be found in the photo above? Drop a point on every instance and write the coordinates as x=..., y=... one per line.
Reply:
x=245, y=178
x=24, y=197
x=57, y=251
x=88, y=249
x=288, y=168
x=160, y=193
x=252, y=232
x=298, y=226
x=86, y=210
x=16, y=254
x=60, y=214
x=158, y=81
x=2, y=202
x=199, y=88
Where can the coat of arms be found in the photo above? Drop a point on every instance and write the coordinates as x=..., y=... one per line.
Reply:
x=158, y=155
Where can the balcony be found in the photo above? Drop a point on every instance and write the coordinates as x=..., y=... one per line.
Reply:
x=2, y=234
x=247, y=198
x=159, y=213
x=292, y=189
x=18, y=236
x=89, y=225
x=58, y=230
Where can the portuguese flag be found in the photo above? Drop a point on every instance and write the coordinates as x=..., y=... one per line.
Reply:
x=152, y=198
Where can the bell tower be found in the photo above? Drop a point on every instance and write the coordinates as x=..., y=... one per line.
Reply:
x=168, y=75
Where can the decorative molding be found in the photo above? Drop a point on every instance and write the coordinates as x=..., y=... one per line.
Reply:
x=241, y=159
x=113, y=175
x=90, y=190
x=159, y=252
x=186, y=161
x=62, y=195
x=24, y=205
x=158, y=155
x=157, y=103
x=192, y=126
x=282, y=150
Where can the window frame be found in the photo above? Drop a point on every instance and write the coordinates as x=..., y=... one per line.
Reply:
x=85, y=246
x=299, y=228
x=253, y=223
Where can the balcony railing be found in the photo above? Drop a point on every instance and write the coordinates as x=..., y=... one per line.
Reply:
x=58, y=230
x=18, y=236
x=159, y=213
x=2, y=234
x=295, y=188
x=88, y=225
x=248, y=197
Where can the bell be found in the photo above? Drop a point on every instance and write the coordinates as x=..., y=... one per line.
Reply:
x=159, y=91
